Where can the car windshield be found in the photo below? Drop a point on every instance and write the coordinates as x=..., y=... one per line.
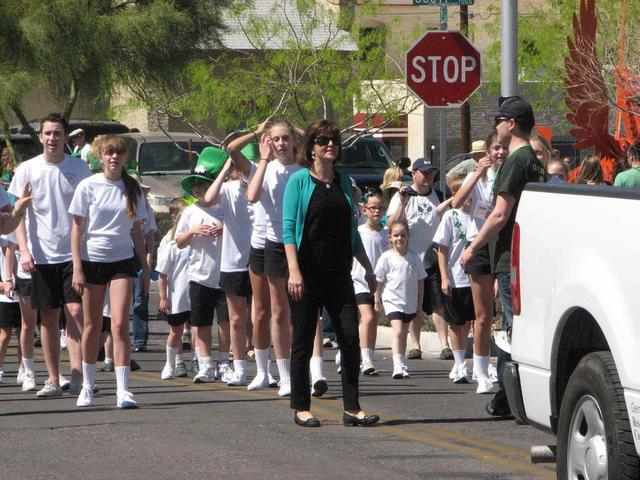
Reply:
x=367, y=153
x=165, y=157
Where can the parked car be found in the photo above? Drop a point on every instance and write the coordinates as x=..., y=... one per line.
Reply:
x=574, y=283
x=366, y=160
x=162, y=161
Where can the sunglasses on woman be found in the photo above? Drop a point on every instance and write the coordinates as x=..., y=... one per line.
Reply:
x=323, y=140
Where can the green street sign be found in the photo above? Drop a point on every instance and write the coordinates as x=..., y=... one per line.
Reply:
x=443, y=2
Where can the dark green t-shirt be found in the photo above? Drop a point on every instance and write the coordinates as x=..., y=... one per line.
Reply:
x=520, y=167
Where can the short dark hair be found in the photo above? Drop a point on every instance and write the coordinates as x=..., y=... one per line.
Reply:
x=308, y=140
x=55, y=118
x=634, y=150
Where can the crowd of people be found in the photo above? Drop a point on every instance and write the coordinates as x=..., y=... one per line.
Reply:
x=274, y=237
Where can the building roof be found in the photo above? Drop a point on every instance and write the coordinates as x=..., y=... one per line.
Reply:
x=285, y=26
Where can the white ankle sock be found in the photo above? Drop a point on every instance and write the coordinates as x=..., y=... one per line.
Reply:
x=367, y=354
x=171, y=356
x=458, y=357
x=240, y=366
x=88, y=374
x=315, y=365
x=262, y=361
x=397, y=361
x=284, y=364
x=179, y=358
x=481, y=366
x=28, y=365
x=205, y=362
x=122, y=379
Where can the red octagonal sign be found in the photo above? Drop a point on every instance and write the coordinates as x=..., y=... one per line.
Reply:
x=443, y=69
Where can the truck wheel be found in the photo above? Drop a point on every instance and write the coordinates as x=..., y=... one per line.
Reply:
x=594, y=434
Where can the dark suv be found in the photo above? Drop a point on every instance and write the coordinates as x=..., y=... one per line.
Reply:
x=366, y=160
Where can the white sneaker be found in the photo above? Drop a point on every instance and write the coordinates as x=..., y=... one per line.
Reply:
x=167, y=373
x=485, y=385
x=63, y=340
x=273, y=383
x=85, y=398
x=368, y=369
x=125, y=400
x=49, y=390
x=205, y=375
x=64, y=383
x=225, y=372
x=405, y=371
x=20, y=376
x=285, y=388
x=398, y=373
x=259, y=382
x=462, y=375
x=493, y=373
x=452, y=373
x=237, y=380
x=29, y=383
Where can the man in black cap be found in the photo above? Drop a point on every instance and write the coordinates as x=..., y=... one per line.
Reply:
x=514, y=124
x=418, y=205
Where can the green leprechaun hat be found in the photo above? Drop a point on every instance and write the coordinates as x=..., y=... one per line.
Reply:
x=210, y=162
x=251, y=152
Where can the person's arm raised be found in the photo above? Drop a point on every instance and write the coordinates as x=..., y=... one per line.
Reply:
x=465, y=190
x=235, y=147
x=254, y=190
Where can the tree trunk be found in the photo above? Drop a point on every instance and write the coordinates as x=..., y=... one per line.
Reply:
x=25, y=124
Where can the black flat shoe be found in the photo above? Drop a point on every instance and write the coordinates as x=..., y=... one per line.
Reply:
x=352, y=421
x=310, y=422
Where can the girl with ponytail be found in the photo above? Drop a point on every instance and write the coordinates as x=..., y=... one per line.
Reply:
x=107, y=209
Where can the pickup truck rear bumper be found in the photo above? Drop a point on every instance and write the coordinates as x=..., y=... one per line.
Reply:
x=511, y=380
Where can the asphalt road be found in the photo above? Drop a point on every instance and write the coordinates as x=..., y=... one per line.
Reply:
x=430, y=429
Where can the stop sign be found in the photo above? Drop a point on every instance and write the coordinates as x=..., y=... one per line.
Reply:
x=443, y=69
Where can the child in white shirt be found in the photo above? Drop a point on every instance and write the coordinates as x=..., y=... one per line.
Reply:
x=451, y=238
x=401, y=274
x=375, y=240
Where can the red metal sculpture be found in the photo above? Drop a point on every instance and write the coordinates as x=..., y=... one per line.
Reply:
x=588, y=98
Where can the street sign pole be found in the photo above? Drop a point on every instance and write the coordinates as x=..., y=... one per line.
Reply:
x=443, y=116
x=509, y=46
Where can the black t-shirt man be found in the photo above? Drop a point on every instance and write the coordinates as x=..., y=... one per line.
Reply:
x=521, y=167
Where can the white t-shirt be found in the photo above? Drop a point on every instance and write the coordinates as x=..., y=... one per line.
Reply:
x=236, y=236
x=276, y=177
x=174, y=263
x=148, y=219
x=452, y=234
x=482, y=198
x=423, y=221
x=375, y=243
x=48, y=221
x=204, y=252
x=107, y=226
x=400, y=276
x=259, y=232
x=3, y=273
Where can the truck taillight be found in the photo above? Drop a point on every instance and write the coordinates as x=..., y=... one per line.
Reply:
x=515, y=270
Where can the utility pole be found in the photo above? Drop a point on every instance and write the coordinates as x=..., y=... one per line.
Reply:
x=509, y=38
x=465, y=110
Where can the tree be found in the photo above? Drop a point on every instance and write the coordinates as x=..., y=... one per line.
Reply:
x=93, y=47
x=298, y=63
x=542, y=47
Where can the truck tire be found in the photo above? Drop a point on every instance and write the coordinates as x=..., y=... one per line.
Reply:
x=594, y=433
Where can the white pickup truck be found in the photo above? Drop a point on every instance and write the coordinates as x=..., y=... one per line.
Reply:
x=575, y=279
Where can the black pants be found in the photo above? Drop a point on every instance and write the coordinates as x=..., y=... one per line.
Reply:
x=336, y=294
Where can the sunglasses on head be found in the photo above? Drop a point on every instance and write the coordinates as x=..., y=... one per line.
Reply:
x=501, y=118
x=323, y=140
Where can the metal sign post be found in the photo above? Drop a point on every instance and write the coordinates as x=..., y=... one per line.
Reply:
x=444, y=17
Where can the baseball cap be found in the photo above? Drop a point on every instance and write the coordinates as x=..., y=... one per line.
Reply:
x=422, y=165
x=518, y=109
x=76, y=132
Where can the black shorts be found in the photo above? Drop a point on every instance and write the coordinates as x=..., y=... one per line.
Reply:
x=458, y=308
x=405, y=317
x=275, y=260
x=365, y=299
x=235, y=283
x=432, y=299
x=10, y=315
x=101, y=273
x=174, y=319
x=23, y=286
x=256, y=260
x=106, y=324
x=480, y=263
x=51, y=286
x=205, y=301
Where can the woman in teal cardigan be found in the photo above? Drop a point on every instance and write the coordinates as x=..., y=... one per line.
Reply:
x=320, y=239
